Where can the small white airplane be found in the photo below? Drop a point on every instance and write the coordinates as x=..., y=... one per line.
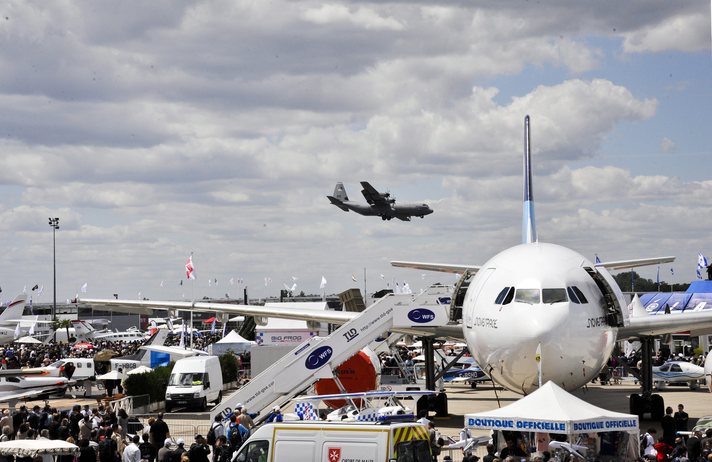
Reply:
x=87, y=331
x=13, y=389
x=678, y=372
x=368, y=406
x=531, y=301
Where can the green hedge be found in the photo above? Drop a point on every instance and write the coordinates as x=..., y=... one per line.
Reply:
x=152, y=383
x=230, y=366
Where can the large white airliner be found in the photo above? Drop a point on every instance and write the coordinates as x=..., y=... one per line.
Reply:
x=533, y=299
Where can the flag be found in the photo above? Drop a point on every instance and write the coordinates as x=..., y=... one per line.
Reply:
x=294, y=278
x=406, y=289
x=353, y=277
x=39, y=291
x=224, y=329
x=268, y=281
x=169, y=323
x=139, y=295
x=182, y=337
x=17, y=331
x=323, y=282
x=701, y=265
x=232, y=281
x=189, y=268
x=210, y=282
x=216, y=282
x=161, y=283
x=181, y=282
x=382, y=276
x=397, y=290
x=672, y=272
x=35, y=287
x=153, y=323
x=32, y=329
x=212, y=327
x=598, y=260
x=83, y=288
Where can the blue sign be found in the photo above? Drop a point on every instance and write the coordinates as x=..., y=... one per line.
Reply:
x=319, y=357
x=421, y=315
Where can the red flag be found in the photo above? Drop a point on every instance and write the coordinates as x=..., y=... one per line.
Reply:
x=189, y=268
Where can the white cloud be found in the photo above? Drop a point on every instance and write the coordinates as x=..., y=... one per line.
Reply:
x=667, y=145
x=684, y=32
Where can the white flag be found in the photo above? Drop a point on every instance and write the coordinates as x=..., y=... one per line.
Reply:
x=17, y=331
x=32, y=329
x=182, y=337
x=268, y=281
x=40, y=290
x=537, y=358
x=212, y=327
x=323, y=282
x=169, y=323
x=382, y=276
x=84, y=288
x=353, y=277
x=161, y=283
x=232, y=281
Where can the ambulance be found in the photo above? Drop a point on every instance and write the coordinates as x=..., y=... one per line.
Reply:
x=336, y=442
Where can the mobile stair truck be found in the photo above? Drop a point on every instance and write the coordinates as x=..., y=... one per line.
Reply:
x=336, y=442
x=318, y=357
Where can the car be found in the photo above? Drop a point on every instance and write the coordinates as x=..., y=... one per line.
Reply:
x=703, y=424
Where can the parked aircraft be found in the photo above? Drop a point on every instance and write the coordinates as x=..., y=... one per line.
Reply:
x=379, y=204
x=370, y=406
x=10, y=317
x=87, y=331
x=13, y=389
x=534, y=312
x=678, y=372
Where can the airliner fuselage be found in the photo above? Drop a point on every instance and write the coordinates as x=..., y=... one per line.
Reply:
x=545, y=296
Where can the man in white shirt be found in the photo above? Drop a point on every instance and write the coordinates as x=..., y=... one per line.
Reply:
x=649, y=439
x=132, y=453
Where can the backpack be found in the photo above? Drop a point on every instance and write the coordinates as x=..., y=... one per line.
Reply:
x=210, y=437
x=174, y=456
x=235, y=439
x=643, y=443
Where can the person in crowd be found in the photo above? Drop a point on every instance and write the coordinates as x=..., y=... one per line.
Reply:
x=668, y=425
x=681, y=418
x=131, y=452
x=199, y=450
x=164, y=453
x=148, y=451
x=86, y=451
x=222, y=451
x=159, y=431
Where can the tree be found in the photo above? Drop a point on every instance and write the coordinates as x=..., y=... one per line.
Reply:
x=63, y=324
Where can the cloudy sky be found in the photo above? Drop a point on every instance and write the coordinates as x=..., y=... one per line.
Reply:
x=157, y=129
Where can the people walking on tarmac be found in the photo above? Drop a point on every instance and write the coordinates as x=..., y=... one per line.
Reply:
x=180, y=451
x=669, y=427
x=275, y=415
x=681, y=418
x=132, y=453
x=246, y=420
x=217, y=429
x=236, y=433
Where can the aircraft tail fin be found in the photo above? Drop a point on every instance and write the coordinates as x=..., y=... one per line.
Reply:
x=82, y=327
x=528, y=223
x=340, y=192
x=14, y=309
x=339, y=197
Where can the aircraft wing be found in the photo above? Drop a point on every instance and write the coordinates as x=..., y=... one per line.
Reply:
x=627, y=264
x=641, y=323
x=453, y=331
x=373, y=197
x=441, y=267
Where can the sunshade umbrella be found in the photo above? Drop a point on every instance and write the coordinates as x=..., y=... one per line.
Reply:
x=139, y=370
x=27, y=340
x=83, y=346
x=32, y=448
x=111, y=375
x=105, y=355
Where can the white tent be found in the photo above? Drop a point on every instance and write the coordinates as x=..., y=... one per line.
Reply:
x=551, y=409
x=232, y=341
x=32, y=448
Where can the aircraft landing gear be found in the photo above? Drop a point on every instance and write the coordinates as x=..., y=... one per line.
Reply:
x=647, y=401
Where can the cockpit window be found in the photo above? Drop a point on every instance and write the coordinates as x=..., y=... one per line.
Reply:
x=530, y=296
x=572, y=295
x=510, y=296
x=579, y=294
x=501, y=295
x=553, y=295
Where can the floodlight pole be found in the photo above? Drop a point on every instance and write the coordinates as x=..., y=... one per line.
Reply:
x=54, y=224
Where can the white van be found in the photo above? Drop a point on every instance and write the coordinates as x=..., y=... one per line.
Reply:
x=336, y=442
x=195, y=381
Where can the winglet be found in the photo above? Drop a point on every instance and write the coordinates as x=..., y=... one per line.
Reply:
x=528, y=222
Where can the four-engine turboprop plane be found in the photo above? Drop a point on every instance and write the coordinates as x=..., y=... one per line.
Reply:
x=533, y=300
x=379, y=204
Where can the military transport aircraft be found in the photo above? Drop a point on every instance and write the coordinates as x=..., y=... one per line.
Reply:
x=379, y=204
x=534, y=312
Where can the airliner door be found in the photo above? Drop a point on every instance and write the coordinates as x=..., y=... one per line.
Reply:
x=473, y=293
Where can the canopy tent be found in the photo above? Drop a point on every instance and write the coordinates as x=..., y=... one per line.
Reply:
x=139, y=370
x=111, y=375
x=28, y=339
x=232, y=341
x=32, y=448
x=551, y=409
